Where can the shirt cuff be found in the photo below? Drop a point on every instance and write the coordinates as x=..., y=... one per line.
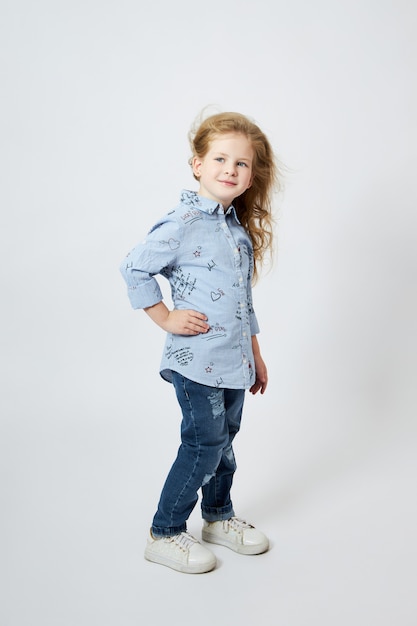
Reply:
x=145, y=295
x=254, y=326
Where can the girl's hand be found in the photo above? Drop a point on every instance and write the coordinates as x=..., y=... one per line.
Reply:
x=261, y=380
x=178, y=321
x=185, y=322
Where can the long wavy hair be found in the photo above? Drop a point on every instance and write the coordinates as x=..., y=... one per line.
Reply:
x=254, y=206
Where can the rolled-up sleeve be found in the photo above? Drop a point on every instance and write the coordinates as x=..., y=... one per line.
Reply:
x=254, y=326
x=157, y=253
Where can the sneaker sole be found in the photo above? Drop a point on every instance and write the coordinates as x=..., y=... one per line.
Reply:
x=236, y=547
x=180, y=567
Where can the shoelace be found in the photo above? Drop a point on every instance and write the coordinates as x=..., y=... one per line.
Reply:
x=238, y=524
x=184, y=540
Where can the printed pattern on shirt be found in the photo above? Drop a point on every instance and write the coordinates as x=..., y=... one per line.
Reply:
x=207, y=257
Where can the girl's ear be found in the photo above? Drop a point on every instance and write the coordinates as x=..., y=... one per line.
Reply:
x=196, y=164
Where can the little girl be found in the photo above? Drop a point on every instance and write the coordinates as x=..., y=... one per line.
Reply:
x=209, y=248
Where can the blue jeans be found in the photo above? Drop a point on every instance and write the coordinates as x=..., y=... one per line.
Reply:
x=205, y=459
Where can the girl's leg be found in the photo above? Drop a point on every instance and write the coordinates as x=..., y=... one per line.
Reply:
x=216, y=503
x=204, y=436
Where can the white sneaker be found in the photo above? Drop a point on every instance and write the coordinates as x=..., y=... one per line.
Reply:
x=237, y=535
x=181, y=552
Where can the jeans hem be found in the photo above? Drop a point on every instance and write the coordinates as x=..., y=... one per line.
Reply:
x=212, y=514
x=159, y=533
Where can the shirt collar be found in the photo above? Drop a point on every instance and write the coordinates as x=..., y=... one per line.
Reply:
x=192, y=198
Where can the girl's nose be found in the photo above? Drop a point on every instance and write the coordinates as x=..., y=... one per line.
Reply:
x=230, y=169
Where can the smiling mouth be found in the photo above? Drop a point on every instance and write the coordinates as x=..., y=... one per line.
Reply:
x=229, y=183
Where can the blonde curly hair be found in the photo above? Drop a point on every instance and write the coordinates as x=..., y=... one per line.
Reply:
x=254, y=206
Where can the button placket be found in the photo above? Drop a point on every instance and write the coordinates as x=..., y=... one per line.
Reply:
x=241, y=301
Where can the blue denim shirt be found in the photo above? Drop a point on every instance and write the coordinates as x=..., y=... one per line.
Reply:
x=207, y=257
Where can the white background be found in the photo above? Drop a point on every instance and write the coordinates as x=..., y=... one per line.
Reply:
x=97, y=99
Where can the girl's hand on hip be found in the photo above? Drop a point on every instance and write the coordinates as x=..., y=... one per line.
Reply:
x=178, y=321
x=186, y=322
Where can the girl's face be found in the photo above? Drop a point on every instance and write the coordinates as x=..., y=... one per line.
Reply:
x=225, y=172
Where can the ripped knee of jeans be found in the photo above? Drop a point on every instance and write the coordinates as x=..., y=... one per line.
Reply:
x=207, y=478
x=217, y=403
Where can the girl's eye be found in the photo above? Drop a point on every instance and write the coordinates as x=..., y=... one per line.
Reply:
x=240, y=163
x=219, y=159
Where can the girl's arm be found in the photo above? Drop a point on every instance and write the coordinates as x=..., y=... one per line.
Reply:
x=260, y=369
x=178, y=321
